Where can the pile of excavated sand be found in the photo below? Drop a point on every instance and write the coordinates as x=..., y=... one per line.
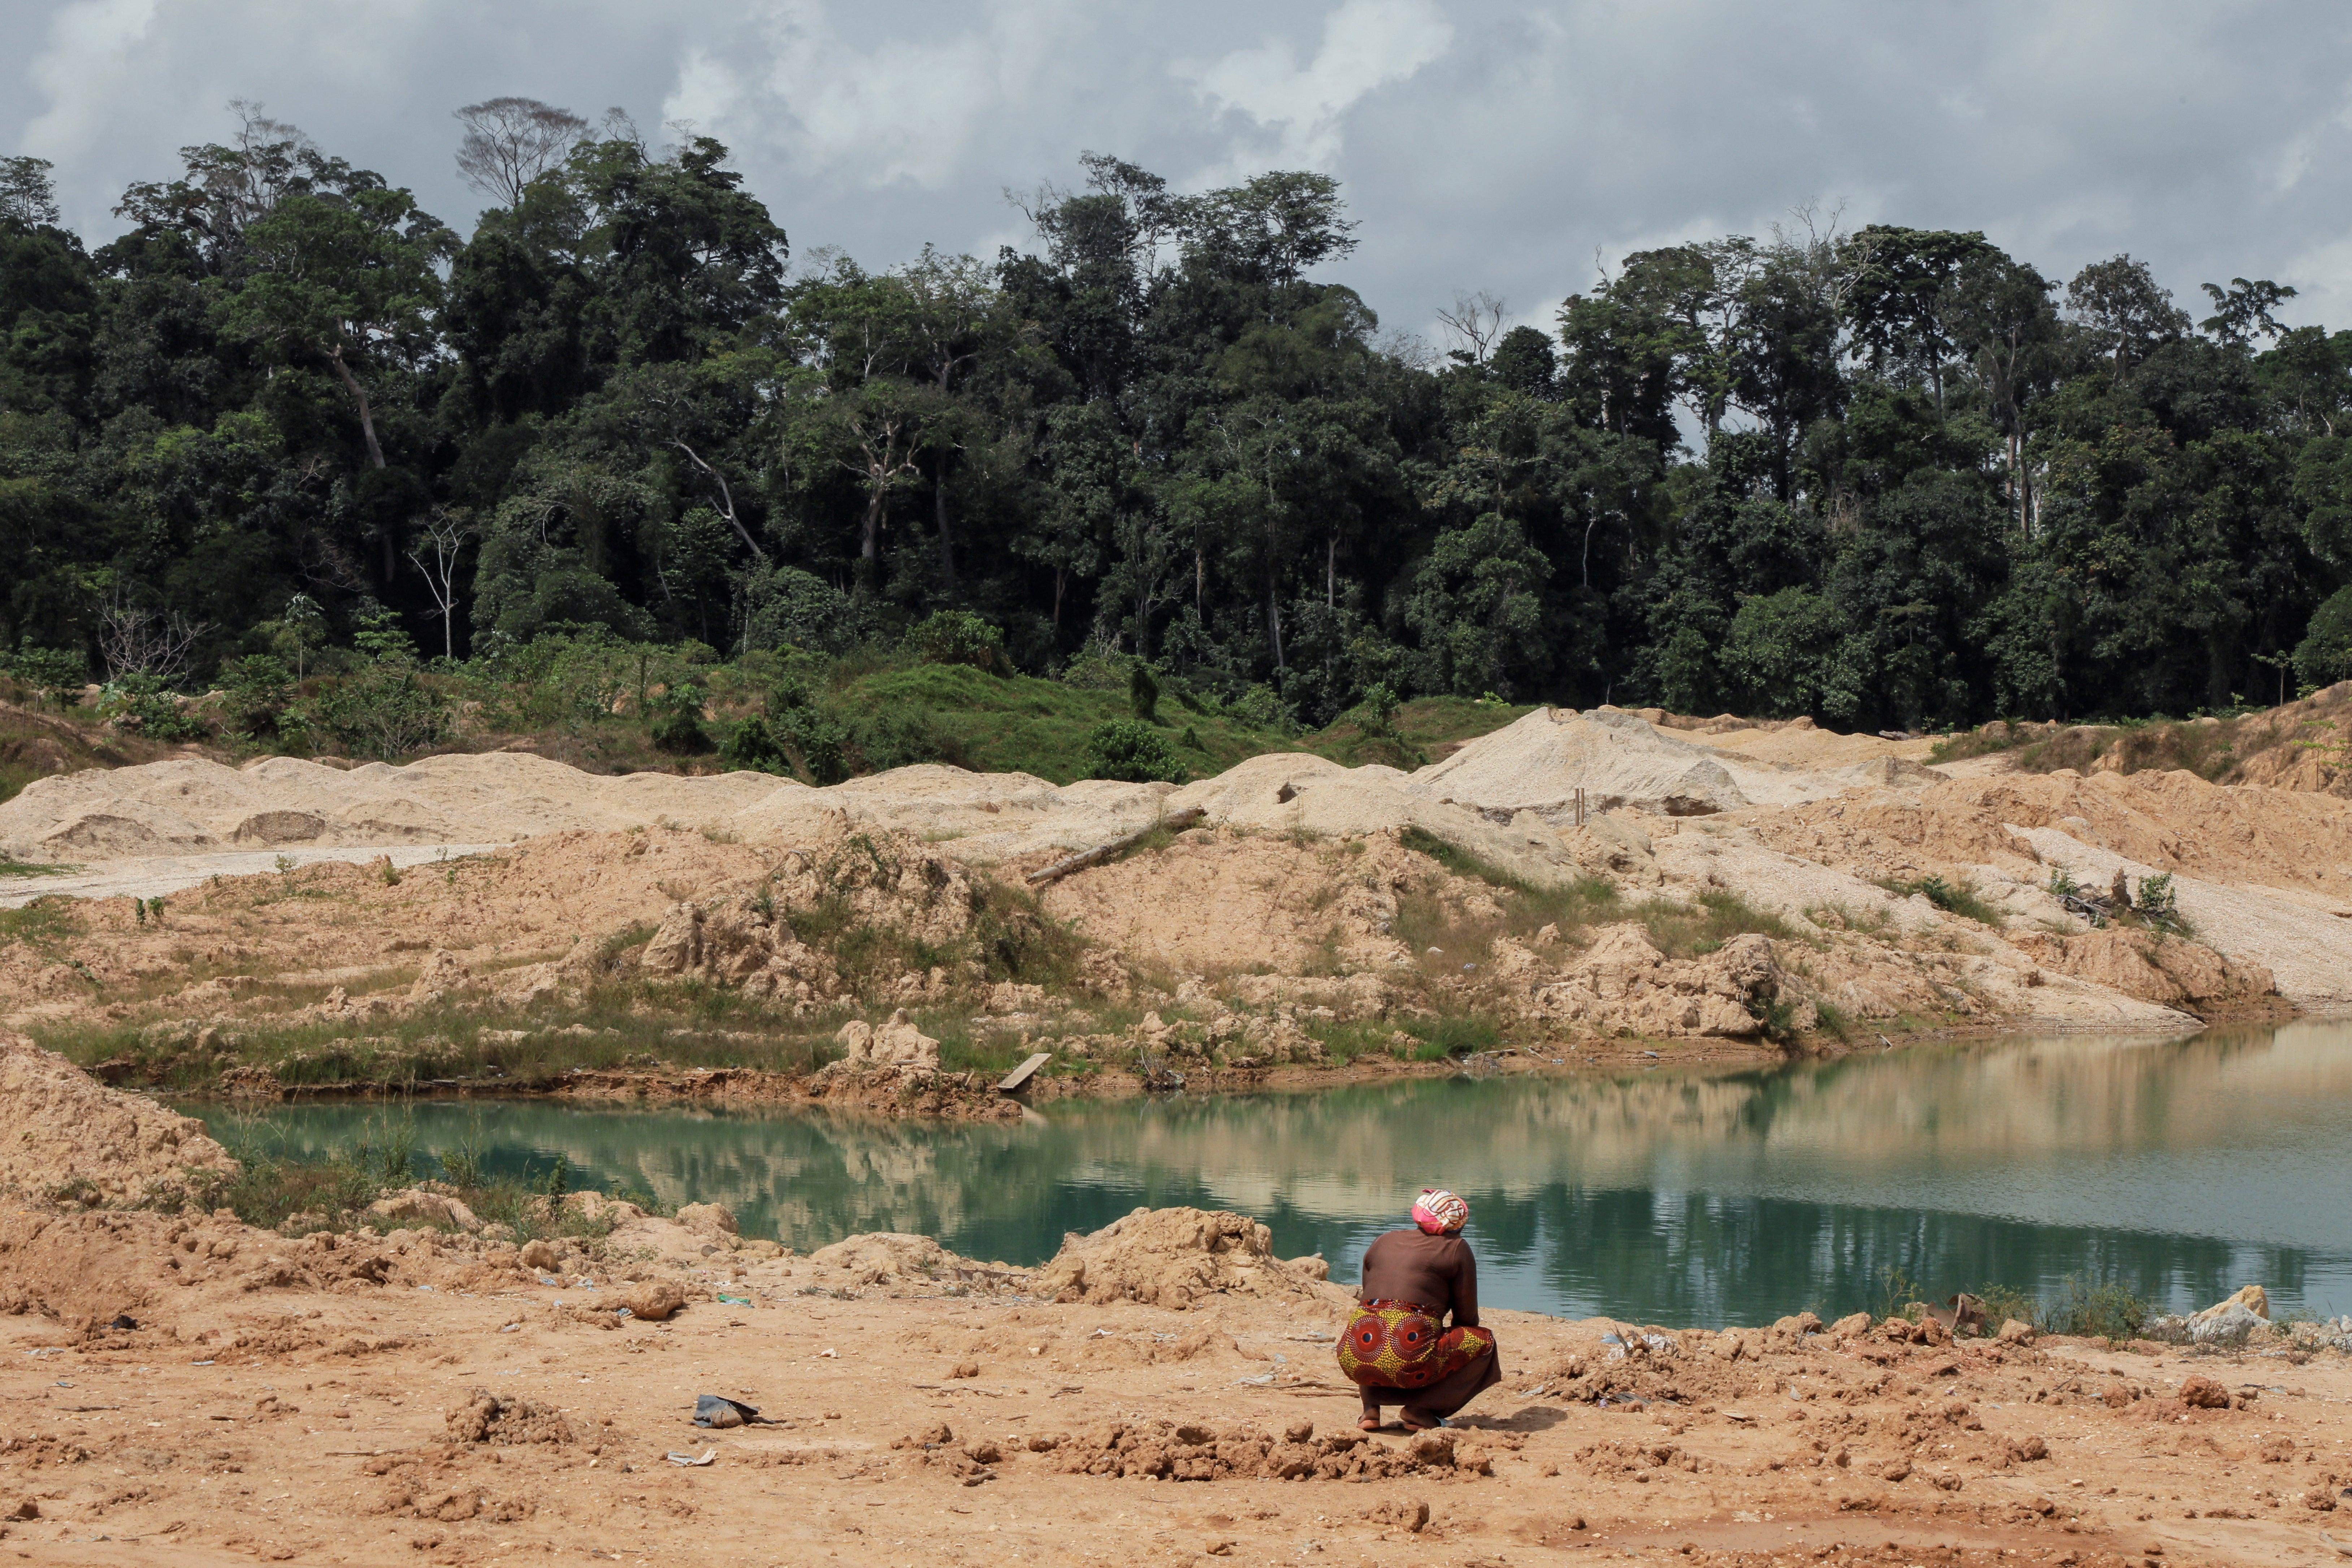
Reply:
x=179, y=822
x=1174, y=1257
x=190, y=804
x=1539, y=763
x=70, y=1134
x=1801, y=743
x=1619, y=760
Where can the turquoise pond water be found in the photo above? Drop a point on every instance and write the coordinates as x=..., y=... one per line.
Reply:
x=2182, y=1168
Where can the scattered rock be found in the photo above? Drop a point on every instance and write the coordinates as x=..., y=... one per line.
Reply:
x=1624, y=984
x=654, y=1302
x=895, y=1044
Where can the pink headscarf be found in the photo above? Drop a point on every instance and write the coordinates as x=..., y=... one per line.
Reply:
x=1439, y=1212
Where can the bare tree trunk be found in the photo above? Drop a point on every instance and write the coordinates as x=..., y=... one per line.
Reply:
x=367, y=413
x=1330, y=570
x=939, y=512
x=1061, y=576
x=1274, y=624
x=1200, y=584
x=869, y=545
x=726, y=497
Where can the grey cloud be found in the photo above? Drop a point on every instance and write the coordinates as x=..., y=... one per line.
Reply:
x=1488, y=145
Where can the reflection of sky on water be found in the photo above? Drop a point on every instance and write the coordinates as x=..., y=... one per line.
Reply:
x=2185, y=1168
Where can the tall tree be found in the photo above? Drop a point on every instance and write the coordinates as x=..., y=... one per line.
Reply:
x=510, y=142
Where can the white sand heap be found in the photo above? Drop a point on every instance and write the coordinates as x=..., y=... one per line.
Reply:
x=165, y=826
x=184, y=811
x=191, y=805
x=1620, y=759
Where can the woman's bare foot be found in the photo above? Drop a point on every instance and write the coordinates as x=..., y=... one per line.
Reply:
x=1370, y=1421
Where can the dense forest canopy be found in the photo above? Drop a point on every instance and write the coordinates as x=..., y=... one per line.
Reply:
x=1891, y=478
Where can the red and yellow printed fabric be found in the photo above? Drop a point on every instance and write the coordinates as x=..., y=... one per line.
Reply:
x=1396, y=1344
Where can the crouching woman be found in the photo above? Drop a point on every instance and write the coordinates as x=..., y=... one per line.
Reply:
x=1398, y=1347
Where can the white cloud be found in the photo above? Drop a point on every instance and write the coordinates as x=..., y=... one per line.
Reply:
x=907, y=107
x=1496, y=145
x=1367, y=44
x=89, y=48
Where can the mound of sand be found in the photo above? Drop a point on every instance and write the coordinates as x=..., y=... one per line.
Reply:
x=72, y=1135
x=1623, y=761
x=1539, y=763
x=190, y=804
x=1175, y=1258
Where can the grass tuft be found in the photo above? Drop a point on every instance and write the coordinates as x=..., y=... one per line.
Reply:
x=1958, y=897
x=1681, y=930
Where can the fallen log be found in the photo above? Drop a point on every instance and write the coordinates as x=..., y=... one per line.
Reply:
x=1101, y=852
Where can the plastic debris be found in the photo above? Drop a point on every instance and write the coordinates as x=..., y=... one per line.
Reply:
x=707, y=1456
x=716, y=1410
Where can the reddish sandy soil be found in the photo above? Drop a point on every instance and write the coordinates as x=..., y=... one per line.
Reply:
x=294, y=1401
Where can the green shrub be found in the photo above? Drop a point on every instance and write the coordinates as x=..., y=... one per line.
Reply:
x=1096, y=670
x=896, y=738
x=750, y=747
x=678, y=730
x=1131, y=749
x=137, y=700
x=1261, y=709
x=258, y=690
x=1143, y=693
x=821, y=742
x=54, y=674
x=383, y=711
x=1452, y=1036
x=2100, y=1309
x=958, y=636
x=2156, y=898
x=2325, y=655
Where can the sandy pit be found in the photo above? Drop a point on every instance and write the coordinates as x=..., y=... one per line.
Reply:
x=187, y=1389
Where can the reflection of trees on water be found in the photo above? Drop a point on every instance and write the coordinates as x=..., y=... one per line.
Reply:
x=1668, y=1196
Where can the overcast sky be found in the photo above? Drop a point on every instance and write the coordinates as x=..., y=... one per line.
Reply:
x=1496, y=145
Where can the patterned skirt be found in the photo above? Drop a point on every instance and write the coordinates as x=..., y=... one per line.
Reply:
x=1397, y=1344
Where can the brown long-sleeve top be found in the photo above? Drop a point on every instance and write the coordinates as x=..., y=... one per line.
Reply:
x=1437, y=1272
